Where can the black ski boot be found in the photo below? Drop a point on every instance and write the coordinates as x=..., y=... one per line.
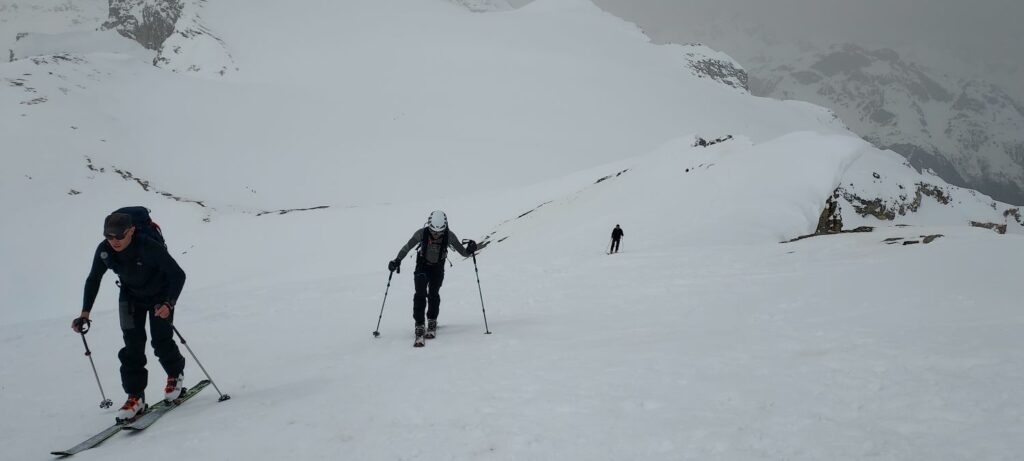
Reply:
x=420, y=340
x=431, y=329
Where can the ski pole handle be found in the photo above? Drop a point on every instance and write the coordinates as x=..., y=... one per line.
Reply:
x=82, y=325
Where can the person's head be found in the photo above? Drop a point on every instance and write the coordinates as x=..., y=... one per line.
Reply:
x=616, y=225
x=118, y=230
x=437, y=223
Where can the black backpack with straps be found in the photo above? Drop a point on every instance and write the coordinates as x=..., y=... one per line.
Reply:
x=422, y=253
x=143, y=222
x=144, y=226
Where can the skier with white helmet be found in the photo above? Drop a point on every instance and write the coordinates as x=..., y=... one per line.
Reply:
x=433, y=239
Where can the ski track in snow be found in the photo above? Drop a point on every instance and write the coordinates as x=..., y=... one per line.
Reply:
x=727, y=352
x=704, y=339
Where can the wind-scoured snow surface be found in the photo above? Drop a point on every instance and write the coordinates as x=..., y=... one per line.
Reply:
x=537, y=130
x=47, y=16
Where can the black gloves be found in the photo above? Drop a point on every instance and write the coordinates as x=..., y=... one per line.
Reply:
x=471, y=247
x=395, y=266
x=81, y=325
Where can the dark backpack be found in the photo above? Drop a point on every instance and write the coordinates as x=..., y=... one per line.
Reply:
x=143, y=223
x=426, y=241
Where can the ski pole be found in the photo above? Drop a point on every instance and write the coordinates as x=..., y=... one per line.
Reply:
x=83, y=329
x=223, y=396
x=376, y=333
x=486, y=328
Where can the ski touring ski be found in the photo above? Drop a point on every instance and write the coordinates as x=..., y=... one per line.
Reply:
x=139, y=423
x=91, y=441
x=103, y=435
x=159, y=410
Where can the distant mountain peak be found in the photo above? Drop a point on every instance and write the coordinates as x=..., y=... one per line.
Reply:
x=175, y=29
x=967, y=131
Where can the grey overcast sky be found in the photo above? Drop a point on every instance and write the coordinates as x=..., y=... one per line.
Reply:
x=988, y=33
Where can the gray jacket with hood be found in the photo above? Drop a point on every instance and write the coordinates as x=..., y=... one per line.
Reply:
x=433, y=253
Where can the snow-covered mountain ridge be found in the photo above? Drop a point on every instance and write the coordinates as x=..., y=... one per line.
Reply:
x=285, y=187
x=18, y=17
x=569, y=121
x=967, y=131
x=173, y=29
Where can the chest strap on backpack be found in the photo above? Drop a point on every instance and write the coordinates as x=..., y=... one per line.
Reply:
x=426, y=241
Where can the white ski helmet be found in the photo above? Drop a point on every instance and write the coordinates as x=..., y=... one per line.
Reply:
x=437, y=222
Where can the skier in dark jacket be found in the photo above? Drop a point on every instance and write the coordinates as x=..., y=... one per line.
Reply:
x=616, y=236
x=433, y=239
x=150, y=282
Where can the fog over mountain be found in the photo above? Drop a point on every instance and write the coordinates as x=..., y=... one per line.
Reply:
x=978, y=39
x=969, y=54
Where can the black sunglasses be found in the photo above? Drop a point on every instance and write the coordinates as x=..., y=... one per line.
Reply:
x=120, y=236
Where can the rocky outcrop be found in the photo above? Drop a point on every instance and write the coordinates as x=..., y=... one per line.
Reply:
x=887, y=191
x=143, y=183
x=175, y=29
x=148, y=22
x=193, y=48
x=831, y=219
x=1015, y=213
x=707, y=63
x=998, y=228
x=865, y=197
x=926, y=239
x=701, y=142
x=888, y=211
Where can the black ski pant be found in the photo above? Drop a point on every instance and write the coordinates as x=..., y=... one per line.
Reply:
x=428, y=279
x=615, y=246
x=133, y=355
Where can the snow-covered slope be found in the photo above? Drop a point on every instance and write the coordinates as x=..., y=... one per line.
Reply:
x=967, y=131
x=284, y=188
x=689, y=344
x=484, y=6
x=940, y=112
x=739, y=193
x=455, y=100
x=47, y=16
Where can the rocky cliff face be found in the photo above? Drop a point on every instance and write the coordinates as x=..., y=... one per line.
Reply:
x=707, y=63
x=968, y=132
x=175, y=29
x=148, y=22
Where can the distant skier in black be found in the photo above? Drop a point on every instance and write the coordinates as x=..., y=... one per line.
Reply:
x=150, y=282
x=616, y=236
x=433, y=239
